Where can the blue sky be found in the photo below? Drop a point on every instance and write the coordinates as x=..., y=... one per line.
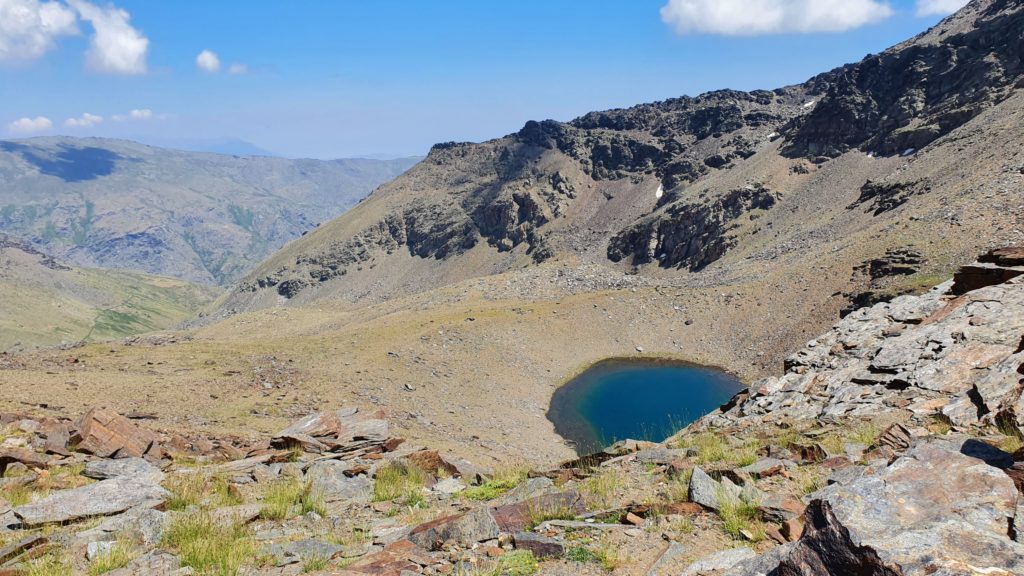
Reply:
x=336, y=78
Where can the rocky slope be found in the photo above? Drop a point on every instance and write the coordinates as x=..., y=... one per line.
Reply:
x=721, y=182
x=200, y=217
x=818, y=472
x=47, y=302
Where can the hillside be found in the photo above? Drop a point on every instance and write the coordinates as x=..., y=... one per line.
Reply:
x=822, y=183
x=48, y=303
x=196, y=216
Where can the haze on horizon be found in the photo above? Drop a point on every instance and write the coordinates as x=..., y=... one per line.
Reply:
x=332, y=79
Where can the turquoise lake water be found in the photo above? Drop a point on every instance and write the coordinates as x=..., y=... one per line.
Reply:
x=636, y=399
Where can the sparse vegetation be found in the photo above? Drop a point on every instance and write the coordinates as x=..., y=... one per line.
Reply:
x=740, y=518
x=118, y=556
x=516, y=563
x=314, y=563
x=399, y=481
x=600, y=488
x=503, y=481
x=196, y=489
x=51, y=564
x=210, y=547
x=285, y=498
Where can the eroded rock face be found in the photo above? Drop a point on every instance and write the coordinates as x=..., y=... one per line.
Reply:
x=934, y=511
x=909, y=95
x=689, y=235
x=107, y=434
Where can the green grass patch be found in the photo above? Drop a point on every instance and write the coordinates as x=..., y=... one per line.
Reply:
x=502, y=482
x=209, y=547
x=52, y=564
x=399, y=481
x=200, y=490
x=740, y=518
x=516, y=563
x=600, y=488
x=284, y=498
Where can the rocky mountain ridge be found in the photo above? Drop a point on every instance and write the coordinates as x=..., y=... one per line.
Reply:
x=196, y=216
x=680, y=186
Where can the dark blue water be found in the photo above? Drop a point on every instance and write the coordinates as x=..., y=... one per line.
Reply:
x=636, y=399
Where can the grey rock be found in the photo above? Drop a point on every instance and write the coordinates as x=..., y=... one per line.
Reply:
x=464, y=530
x=329, y=479
x=704, y=489
x=304, y=549
x=718, y=561
x=667, y=558
x=155, y=563
x=143, y=524
x=934, y=511
x=100, y=499
x=448, y=486
x=95, y=549
x=133, y=467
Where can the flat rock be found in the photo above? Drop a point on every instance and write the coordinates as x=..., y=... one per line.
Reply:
x=100, y=499
x=329, y=479
x=719, y=561
x=305, y=549
x=541, y=546
x=130, y=467
x=156, y=563
x=335, y=430
x=463, y=529
x=13, y=455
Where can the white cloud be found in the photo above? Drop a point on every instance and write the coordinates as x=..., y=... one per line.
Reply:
x=30, y=125
x=137, y=114
x=941, y=7
x=758, y=17
x=207, y=61
x=86, y=120
x=238, y=69
x=116, y=47
x=29, y=28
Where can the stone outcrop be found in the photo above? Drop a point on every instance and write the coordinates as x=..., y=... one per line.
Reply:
x=100, y=499
x=957, y=357
x=109, y=435
x=938, y=510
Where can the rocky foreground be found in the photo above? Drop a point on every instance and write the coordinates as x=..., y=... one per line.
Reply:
x=891, y=446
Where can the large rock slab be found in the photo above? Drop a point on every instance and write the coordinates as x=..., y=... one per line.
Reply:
x=937, y=511
x=464, y=530
x=334, y=431
x=131, y=467
x=100, y=499
x=107, y=434
x=24, y=456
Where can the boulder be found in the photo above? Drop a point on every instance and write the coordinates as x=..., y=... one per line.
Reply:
x=935, y=511
x=431, y=462
x=100, y=499
x=512, y=518
x=107, y=434
x=704, y=489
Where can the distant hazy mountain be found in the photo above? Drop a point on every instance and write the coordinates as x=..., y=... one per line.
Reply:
x=231, y=146
x=197, y=216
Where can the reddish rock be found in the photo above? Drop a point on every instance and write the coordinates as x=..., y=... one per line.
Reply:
x=541, y=546
x=392, y=561
x=29, y=458
x=57, y=435
x=461, y=529
x=792, y=529
x=513, y=518
x=895, y=437
x=634, y=519
x=430, y=461
x=809, y=453
x=109, y=435
x=344, y=430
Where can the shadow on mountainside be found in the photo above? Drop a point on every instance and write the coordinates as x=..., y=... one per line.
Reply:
x=69, y=163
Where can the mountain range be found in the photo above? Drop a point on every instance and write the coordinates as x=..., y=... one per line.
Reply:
x=199, y=217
